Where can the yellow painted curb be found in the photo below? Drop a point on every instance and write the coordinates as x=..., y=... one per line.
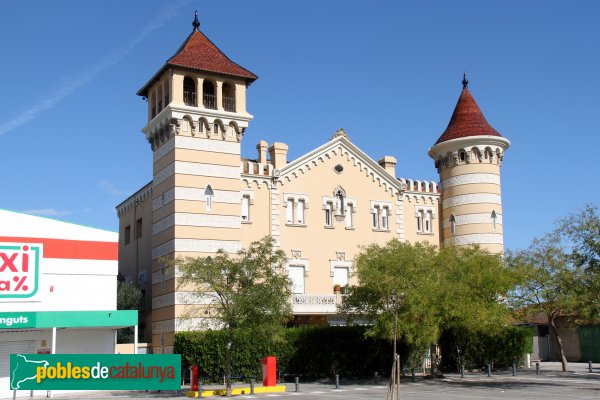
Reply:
x=237, y=391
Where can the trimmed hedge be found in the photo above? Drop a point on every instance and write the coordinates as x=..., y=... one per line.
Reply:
x=321, y=352
x=312, y=353
x=501, y=349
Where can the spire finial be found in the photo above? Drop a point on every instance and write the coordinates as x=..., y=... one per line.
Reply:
x=196, y=23
x=465, y=81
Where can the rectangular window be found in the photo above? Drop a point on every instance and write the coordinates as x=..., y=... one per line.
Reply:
x=420, y=221
x=384, y=218
x=127, y=235
x=245, y=208
x=138, y=228
x=289, y=212
x=300, y=212
x=340, y=276
x=296, y=275
x=349, y=211
x=328, y=214
x=428, y=222
x=376, y=218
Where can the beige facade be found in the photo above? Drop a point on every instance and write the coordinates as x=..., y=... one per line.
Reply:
x=320, y=208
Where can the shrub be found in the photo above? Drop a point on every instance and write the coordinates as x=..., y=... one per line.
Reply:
x=500, y=349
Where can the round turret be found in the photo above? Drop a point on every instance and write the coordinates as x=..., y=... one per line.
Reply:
x=468, y=156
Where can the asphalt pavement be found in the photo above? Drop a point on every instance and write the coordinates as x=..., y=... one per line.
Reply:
x=551, y=383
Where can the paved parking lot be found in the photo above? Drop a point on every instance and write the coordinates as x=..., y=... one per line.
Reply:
x=551, y=384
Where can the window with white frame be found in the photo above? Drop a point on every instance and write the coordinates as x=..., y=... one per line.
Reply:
x=349, y=216
x=296, y=276
x=208, y=197
x=385, y=218
x=424, y=217
x=295, y=209
x=300, y=212
x=245, y=208
x=375, y=215
x=289, y=213
x=329, y=213
x=380, y=213
x=340, y=276
x=494, y=218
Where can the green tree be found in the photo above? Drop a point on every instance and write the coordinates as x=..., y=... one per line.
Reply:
x=582, y=231
x=549, y=283
x=129, y=297
x=250, y=291
x=427, y=290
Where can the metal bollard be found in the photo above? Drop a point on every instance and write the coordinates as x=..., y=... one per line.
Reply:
x=537, y=368
x=462, y=370
x=337, y=381
x=489, y=370
x=297, y=382
x=514, y=369
x=199, y=388
x=590, y=366
x=251, y=386
x=376, y=377
x=414, y=377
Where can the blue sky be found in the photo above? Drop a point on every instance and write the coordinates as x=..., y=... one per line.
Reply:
x=388, y=72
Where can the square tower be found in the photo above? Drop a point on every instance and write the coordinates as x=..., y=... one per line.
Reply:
x=196, y=120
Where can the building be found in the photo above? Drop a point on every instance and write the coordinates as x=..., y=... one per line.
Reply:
x=58, y=290
x=320, y=207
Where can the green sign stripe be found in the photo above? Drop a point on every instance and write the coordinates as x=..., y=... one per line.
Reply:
x=68, y=319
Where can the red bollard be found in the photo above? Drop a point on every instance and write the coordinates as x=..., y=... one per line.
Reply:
x=194, y=378
x=269, y=371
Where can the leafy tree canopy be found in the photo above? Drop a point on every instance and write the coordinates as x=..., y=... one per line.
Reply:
x=429, y=289
x=249, y=291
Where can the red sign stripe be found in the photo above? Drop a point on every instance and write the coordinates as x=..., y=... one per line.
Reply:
x=74, y=249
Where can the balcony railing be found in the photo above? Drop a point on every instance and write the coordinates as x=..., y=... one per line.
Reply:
x=229, y=103
x=210, y=101
x=189, y=98
x=314, y=303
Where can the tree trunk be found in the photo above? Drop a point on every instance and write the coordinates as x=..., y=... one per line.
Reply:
x=563, y=359
x=228, y=360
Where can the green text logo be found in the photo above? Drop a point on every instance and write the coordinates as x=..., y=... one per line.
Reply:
x=95, y=371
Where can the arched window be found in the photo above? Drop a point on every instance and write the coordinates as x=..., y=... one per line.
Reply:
x=428, y=221
x=160, y=100
x=208, y=95
x=300, y=212
x=452, y=224
x=384, y=218
x=420, y=221
x=462, y=155
x=290, y=211
x=208, y=197
x=376, y=217
x=494, y=220
x=228, y=97
x=245, y=208
x=216, y=128
x=166, y=93
x=189, y=92
x=153, y=105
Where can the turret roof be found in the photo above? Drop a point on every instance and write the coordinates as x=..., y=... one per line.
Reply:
x=198, y=52
x=467, y=119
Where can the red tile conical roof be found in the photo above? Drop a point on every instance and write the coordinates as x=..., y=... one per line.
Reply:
x=467, y=120
x=199, y=52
